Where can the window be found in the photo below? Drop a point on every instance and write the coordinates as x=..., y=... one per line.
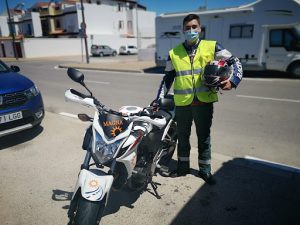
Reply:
x=120, y=9
x=121, y=24
x=129, y=25
x=57, y=24
x=241, y=31
x=283, y=38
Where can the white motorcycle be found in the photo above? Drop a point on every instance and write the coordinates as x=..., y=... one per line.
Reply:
x=122, y=148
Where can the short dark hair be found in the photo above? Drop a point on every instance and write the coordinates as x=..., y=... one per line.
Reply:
x=191, y=17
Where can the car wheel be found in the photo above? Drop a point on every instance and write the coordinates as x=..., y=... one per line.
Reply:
x=101, y=54
x=128, y=52
x=114, y=53
x=295, y=69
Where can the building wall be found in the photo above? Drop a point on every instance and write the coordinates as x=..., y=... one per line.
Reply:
x=36, y=24
x=4, y=26
x=43, y=47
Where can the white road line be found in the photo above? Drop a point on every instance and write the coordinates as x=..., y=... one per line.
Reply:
x=272, y=99
x=68, y=115
x=274, y=164
x=96, y=82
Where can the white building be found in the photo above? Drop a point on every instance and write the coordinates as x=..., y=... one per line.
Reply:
x=108, y=22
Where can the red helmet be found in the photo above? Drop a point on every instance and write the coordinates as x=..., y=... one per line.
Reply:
x=215, y=72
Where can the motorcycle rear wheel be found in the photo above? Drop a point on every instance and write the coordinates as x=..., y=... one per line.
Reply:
x=88, y=212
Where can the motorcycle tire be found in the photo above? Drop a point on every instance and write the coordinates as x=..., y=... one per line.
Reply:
x=88, y=212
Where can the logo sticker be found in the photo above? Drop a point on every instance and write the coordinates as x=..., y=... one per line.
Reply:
x=93, y=183
x=116, y=130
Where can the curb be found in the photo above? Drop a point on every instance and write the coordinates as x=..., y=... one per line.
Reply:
x=101, y=69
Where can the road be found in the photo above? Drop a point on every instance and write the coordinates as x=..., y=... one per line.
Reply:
x=38, y=167
x=260, y=119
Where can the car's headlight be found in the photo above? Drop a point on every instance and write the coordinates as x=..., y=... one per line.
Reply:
x=104, y=151
x=32, y=92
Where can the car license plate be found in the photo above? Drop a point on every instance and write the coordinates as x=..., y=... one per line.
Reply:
x=10, y=117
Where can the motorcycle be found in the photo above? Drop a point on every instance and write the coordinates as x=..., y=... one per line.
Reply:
x=123, y=148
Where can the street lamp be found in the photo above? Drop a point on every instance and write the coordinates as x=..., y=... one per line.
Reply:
x=83, y=28
x=11, y=30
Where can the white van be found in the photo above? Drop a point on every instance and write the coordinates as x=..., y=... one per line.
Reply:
x=263, y=35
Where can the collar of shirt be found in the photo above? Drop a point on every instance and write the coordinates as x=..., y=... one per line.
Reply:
x=191, y=50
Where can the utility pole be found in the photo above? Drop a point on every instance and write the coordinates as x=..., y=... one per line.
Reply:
x=137, y=26
x=11, y=30
x=83, y=27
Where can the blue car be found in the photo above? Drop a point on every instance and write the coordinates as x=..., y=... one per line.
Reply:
x=21, y=103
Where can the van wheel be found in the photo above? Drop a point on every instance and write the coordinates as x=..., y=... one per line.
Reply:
x=295, y=70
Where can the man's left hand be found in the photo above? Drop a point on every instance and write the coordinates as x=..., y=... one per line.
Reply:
x=226, y=85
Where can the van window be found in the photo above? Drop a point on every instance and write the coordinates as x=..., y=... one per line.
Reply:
x=241, y=31
x=286, y=38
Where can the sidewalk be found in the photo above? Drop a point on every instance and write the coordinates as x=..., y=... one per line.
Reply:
x=118, y=64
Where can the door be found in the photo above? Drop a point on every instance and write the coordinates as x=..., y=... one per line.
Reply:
x=3, y=50
x=279, y=49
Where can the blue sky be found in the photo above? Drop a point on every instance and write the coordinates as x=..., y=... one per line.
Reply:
x=158, y=6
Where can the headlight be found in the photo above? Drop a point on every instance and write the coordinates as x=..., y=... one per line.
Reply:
x=104, y=151
x=32, y=92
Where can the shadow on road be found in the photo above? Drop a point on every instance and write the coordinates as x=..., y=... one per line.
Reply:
x=246, y=193
x=20, y=137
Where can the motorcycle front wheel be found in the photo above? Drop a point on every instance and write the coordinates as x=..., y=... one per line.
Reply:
x=87, y=212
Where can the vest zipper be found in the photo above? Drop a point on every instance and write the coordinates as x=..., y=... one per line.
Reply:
x=193, y=78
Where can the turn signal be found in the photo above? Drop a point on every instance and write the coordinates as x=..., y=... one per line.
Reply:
x=84, y=117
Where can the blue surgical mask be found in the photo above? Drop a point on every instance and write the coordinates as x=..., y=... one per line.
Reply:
x=191, y=35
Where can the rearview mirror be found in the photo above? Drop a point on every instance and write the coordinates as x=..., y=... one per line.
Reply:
x=75, y=75
x=15, y=68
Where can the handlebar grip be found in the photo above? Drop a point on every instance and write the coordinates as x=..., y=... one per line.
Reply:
x=78, y=93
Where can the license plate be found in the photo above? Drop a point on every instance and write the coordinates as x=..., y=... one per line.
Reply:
x=10, y=117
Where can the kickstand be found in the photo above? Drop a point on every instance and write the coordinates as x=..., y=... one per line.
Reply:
x=154, y=187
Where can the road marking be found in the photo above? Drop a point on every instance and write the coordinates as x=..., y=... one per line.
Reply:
x=97, y=82
x=137, y=74
x=274, y=164
x=68, y=115
x=273, y=99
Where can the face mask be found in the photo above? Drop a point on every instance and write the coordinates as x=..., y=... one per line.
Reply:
x=191, y=35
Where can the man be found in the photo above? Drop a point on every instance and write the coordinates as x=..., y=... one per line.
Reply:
x=194, y=101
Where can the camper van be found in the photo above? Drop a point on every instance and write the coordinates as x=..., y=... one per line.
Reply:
x=263, y=35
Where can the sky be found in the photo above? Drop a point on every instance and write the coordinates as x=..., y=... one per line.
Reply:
x=158, y=6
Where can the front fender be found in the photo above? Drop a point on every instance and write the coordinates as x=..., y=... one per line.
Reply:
x=94, y=184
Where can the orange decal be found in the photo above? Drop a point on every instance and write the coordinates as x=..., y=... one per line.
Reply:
x=116, y=130
x=93, y=183
x=113, y=123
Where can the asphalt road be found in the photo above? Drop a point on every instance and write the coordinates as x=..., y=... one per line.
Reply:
x=38, y=168
x=260, y=119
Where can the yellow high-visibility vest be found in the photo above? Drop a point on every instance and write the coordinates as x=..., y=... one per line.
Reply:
x=188, y=83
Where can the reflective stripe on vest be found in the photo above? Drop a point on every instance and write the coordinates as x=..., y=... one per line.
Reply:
x=191, y=91
x=188, y=81
x=188, y=72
